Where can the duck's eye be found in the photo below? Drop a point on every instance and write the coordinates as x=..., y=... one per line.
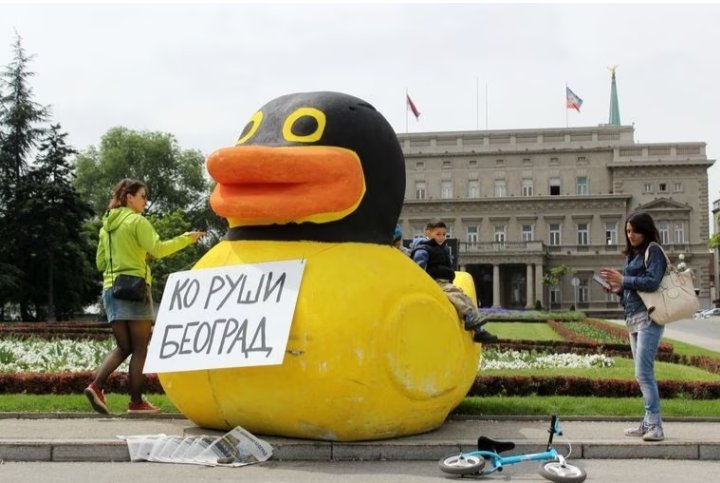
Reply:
x=250, y=128
x=305, y=125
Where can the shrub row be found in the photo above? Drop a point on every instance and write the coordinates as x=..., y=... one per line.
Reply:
x=68, y=383
x=579, y=386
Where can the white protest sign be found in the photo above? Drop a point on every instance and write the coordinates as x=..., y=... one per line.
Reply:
x=229, y=316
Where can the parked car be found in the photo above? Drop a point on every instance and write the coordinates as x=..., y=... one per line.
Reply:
x=711, y=313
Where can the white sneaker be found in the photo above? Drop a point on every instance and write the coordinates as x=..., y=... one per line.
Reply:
x=654, y=433
x=638, y=431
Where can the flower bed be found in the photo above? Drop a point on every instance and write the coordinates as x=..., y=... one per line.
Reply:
x=18, y=355
x=494, y=359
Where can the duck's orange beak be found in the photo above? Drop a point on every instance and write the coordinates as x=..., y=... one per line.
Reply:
x=262, y=185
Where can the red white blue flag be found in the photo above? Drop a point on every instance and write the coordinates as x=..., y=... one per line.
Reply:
x=572, y=101
x=413, y=108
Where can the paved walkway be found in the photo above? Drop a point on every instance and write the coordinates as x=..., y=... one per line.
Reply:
x=699, y=332
x=93, y=438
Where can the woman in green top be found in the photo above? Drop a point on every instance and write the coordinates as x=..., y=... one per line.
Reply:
x=126, y=240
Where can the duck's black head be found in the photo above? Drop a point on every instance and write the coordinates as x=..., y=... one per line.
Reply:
x=320, y=166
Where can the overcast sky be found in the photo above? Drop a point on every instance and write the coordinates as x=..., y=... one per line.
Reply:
x=200, y=71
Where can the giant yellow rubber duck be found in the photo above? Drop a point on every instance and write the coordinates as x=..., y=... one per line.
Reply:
x=375, y=348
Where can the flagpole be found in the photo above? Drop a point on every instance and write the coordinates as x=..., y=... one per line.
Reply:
x=486, y=107
x=566, y=108
x=407, y=108
x=477, y=103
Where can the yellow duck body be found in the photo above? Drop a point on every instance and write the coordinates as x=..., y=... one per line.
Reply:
x=375, y=350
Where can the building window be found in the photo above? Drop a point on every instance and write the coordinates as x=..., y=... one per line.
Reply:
x=499, y=236
x=419, y=190
x=446, y=190
x=555, y=295
x=581, y=185
x=554, y=234
x=583, y=291
x=447, y=165
x=527, y=187
x=473, y=188
x=677, y=187
x=581, y=160
x=472, y=234
x=472, y=163
x=583, y=234
x=648, y=188
x=680, y=233
x=500, y=188
x=611, y=233
x=527, y=234
x=664, y=230
x=662, y=188
x=554, y=186
x=420, y=165
x=554, y=161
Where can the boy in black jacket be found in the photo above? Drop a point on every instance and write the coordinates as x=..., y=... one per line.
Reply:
x=432, y=255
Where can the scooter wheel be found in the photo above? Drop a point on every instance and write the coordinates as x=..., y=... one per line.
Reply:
x=462, y=464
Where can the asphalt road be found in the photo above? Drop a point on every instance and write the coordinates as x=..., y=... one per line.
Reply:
x=700, y=332
x=615, y=471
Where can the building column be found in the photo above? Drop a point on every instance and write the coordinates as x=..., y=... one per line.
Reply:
x=496, y=285
x=539, y=292
x=529, y=282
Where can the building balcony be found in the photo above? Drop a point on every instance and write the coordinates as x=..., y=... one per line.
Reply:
x=538, y=247
x=509, y=248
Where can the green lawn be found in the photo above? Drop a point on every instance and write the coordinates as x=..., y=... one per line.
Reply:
x=72, y=403
x=522, y=331
x=496, y=405
x=583, y=406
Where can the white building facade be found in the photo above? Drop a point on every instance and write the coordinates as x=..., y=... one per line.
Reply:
x=521, y=202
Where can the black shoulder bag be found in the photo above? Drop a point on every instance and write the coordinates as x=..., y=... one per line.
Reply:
x=127, y=287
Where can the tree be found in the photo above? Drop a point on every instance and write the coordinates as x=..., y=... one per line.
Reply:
x=60, y=277
x=554, y=275
x=20, y=116
x=175, y=177
x=20, y=130
x=714, y=240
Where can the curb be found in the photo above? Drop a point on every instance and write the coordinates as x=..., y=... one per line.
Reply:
x=112, y=451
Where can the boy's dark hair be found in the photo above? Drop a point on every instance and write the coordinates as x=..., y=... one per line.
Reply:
x=435, y=223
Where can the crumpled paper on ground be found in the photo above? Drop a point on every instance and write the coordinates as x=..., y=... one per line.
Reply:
x=235, y=448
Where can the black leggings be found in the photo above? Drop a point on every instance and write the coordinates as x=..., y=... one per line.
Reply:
x=132, y=338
